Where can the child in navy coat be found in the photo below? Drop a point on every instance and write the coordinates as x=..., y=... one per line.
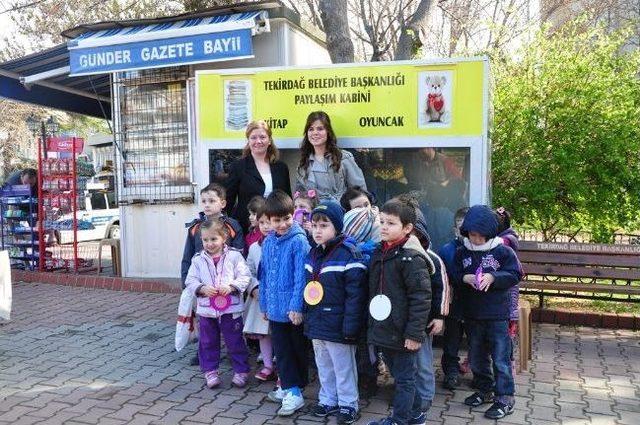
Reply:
x=485, y=272
x=335, y=312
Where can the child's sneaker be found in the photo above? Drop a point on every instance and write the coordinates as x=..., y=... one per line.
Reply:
x=421, y=419
x=277, y=395
x=212, y=378
x=347, y=415
x=478, y=398
x=290, y=404
x=498, y=410
x=239, y=379
x=322, y=410
x=265, y=374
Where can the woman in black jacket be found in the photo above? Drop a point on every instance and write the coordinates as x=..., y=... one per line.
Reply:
x=258, y=172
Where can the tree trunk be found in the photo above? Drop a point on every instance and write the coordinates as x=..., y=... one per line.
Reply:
x=459, y=17
x=333, y=14
x=409, y=41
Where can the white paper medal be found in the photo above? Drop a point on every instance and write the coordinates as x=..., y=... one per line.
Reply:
x=380, y=307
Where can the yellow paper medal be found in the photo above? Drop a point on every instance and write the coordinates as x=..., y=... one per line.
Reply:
x=313, y=292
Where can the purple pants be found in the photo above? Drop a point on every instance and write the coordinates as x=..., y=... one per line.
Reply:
x=209, y=343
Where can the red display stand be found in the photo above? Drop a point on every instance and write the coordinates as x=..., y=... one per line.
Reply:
x=58, y=203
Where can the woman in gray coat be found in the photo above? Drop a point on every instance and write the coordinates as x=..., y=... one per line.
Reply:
x=323, y=166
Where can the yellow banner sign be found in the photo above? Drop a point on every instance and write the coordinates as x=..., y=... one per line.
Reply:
x=363, y=101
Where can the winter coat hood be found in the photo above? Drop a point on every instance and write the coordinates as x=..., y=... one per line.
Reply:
x=421, y=228
x=414, y=243
x=510, y=238
x=481, y=219
x=295, y=230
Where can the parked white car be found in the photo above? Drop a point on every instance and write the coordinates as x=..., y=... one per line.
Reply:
x=100, y=211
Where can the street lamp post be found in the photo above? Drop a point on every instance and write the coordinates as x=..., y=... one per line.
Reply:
x=48, y=127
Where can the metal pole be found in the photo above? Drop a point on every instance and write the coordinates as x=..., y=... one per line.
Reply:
x=74, y=205
x=41, y=217
x=43, y=137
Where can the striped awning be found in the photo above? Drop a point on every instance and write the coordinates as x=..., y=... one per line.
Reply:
x=256, y=21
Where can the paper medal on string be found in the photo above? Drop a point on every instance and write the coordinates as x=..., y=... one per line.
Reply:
x=380, y=307
x=313, y=292
x=221, y=302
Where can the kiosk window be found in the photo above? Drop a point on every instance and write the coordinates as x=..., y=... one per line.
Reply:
x=153, y=136
x=438, y=177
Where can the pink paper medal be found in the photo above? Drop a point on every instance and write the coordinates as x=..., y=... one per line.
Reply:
x=313, y=292
x=220, y=302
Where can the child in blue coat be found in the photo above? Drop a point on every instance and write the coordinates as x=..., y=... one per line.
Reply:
x=282, y=282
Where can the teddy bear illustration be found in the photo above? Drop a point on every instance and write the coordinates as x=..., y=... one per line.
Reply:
x=435, y=109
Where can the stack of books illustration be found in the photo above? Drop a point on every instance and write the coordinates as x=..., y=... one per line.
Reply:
x=236, y=104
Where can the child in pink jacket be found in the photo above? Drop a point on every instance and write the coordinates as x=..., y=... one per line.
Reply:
x=218, y=276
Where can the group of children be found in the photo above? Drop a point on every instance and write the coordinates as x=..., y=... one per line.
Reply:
x=357, y=282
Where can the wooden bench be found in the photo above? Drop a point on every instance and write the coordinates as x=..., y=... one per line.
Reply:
x=576, y=270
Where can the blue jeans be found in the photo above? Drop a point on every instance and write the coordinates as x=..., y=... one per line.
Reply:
x=453, y=330
x=489, y=340
x=425, y=380
x=407, y=402
x=291, y=349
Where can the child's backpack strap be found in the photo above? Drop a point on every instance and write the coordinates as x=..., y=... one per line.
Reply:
x=229, y=226
x=195, y=228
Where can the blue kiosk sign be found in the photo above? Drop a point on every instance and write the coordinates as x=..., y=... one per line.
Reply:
x=199, y=48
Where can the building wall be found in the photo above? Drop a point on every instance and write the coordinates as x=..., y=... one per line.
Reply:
x=304, y=50
x=153, y=238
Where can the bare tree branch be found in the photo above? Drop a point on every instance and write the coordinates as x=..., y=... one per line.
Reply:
x=16, y=8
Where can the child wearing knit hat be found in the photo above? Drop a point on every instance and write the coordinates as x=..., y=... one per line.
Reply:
x=335, y=296
x=362, y=224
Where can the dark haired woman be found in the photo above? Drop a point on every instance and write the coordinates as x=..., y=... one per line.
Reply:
x=323, y=166
x=258, y=172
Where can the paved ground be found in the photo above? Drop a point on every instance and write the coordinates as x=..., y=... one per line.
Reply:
x=79, y=356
